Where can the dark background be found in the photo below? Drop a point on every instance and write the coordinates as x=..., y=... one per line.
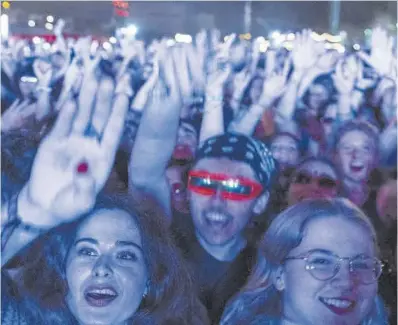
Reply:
x=167, y=18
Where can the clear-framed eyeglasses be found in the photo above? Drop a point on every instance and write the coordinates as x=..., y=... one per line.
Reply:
x=324, y=265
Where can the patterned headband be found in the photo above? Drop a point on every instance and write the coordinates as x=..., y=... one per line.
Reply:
x=241, y=148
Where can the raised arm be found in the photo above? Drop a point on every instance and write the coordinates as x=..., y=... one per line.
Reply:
x=70, y=168
x=273, y=88
x=156, y=135
x=213, y=116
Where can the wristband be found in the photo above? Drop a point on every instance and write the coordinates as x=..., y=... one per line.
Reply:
x=13, y=211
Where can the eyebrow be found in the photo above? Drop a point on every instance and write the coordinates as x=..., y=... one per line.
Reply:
x=89, y=240
x=118, y=243
x=128, y=243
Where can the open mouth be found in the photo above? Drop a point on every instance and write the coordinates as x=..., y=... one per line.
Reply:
x=217, y=220
x=339, y=306
x=100, y=296
x=356, y=168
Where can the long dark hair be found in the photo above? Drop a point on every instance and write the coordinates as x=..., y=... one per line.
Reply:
x=170, y=298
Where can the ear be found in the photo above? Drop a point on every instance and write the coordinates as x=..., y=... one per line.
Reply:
x=278, y=278
x=261, y=203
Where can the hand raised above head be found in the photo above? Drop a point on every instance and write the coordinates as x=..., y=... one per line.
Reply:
x=74, y=160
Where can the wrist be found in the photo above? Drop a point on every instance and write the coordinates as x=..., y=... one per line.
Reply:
x=30, y=213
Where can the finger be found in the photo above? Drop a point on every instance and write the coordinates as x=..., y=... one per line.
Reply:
x=64, y=122
x=86, y=101
x=365, y=57
x=103, y=104
x=114, y=128
x=14, y=105
x=286, y=68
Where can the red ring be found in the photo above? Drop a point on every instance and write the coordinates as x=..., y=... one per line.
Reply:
x=82, y=168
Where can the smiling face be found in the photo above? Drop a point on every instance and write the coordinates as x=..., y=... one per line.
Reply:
x=341, y=300
x=219, y=221
x=106, y=271
x=356, y=155
x=312, y=180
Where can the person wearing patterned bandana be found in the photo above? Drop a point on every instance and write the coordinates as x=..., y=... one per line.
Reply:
x=227, y=186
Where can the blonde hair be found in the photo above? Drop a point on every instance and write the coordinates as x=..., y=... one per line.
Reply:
x=259, y=296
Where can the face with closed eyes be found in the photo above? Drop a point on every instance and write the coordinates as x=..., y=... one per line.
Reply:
x=105, y=270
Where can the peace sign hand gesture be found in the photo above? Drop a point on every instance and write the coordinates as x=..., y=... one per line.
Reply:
x=71, y=167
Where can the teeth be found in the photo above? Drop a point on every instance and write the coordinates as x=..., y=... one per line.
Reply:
x=213, y=216
x=108, y=292
x=340, y=303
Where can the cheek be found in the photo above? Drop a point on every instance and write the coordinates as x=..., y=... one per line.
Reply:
x=299, y=284
x=76, y=274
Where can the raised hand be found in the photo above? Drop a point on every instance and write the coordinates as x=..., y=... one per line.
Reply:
x=274, y=85
x=362, y=82
x=381, y=56
x=345, y=75
x=43, y=72
x=17, y=115
x=59, y=27
x=71, y=167
x=304, y=53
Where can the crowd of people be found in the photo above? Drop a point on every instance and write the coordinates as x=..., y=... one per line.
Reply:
x=203, y=183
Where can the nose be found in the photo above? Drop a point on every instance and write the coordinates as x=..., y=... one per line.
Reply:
x=217, y=200
x=344, y=279
x=102, y=268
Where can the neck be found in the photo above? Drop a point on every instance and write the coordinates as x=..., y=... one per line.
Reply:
x=225, y=252
x=357, y=191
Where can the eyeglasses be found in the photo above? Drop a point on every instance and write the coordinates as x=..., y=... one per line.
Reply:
x=324, y=266
x=232, y=188
x=323, y=181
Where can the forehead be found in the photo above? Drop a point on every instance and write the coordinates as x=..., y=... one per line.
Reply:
x=337, y=234
x=284, y=140
x=354, y=137
x=110, y=225
x=318, y=168
x=225, y=166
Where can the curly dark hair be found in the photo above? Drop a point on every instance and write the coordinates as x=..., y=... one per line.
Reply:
x=170, y=298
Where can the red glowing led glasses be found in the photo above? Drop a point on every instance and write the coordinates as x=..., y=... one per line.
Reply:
x=232, y=188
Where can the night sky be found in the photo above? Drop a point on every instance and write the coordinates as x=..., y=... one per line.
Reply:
x=171, y=17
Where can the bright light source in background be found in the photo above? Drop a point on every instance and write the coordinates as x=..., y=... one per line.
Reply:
x=36, y=40
x=356, y=47
x=4, y=26
x=49, y=26
x=131, y=30
x=113, y=40
x=50, y=19
x=31, y=23
x=275, y=34
x=5, y=4
x=290, y=37
x=170, y=42
x=183, y=38
x=107, y=46
x=46, y=46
